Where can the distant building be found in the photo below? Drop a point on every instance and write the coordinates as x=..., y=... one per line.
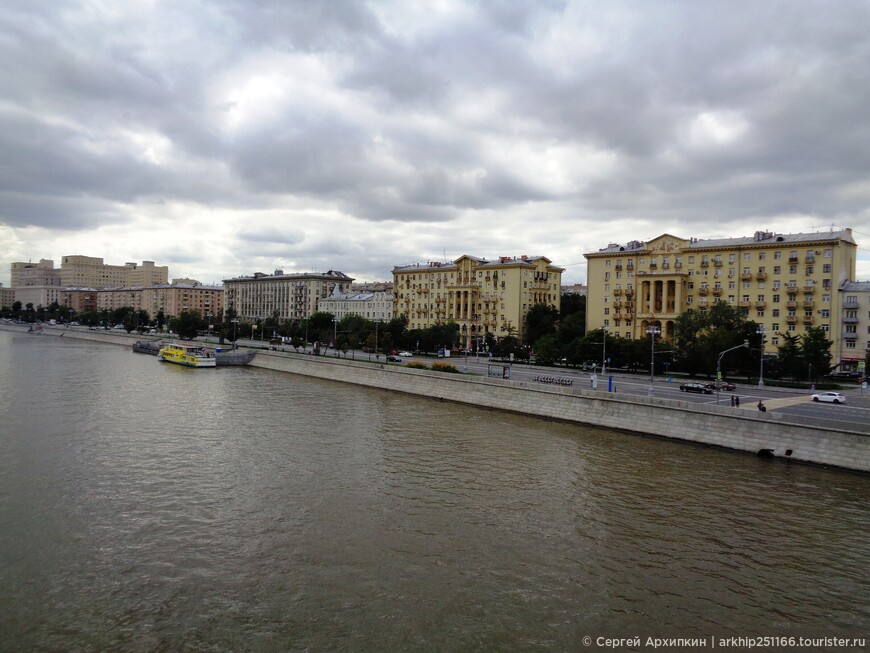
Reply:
x=287, y=296
x=37, y=284
x=171, y=299
x=480, y=296
x=90, y=272
x=854, y=345
x=375, y=305
x=7, y=297
x=575, y=289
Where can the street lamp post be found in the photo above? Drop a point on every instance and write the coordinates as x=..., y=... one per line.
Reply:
x=603, y=349
x=761, y=332
x=719, y=366
x=235, y=321
x=652, y=331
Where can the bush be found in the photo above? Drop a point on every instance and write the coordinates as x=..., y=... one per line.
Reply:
x=444, y=367
x=417, y=365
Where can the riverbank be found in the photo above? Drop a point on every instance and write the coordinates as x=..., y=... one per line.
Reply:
x=769, y=434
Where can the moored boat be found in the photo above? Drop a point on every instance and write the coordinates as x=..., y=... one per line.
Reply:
x=187, y=355
x=222, y=356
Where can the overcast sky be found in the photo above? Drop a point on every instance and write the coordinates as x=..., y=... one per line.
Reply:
x=224, y=137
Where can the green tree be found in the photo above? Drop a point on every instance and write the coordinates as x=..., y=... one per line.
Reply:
x=541, y=321
x=789, y=354
x=571, y=304
x=815, y=349
x=186, y=324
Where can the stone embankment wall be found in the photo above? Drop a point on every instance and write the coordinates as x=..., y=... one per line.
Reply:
x=743, y=430
x=740, y=429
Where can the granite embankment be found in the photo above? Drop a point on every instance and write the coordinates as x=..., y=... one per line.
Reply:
x=744, y=430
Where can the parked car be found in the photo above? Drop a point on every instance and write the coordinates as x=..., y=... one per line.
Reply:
x=723, y=385
x=394, y=359
x=696, y=387
x=406, y=354
x=830, y=397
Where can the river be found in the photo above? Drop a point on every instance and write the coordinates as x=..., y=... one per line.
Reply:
x=148, y=507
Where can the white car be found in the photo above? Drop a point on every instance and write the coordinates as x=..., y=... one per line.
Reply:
x=406, y=354
x=831, y=397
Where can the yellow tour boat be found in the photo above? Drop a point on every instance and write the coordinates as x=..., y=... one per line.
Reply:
x=187, y=355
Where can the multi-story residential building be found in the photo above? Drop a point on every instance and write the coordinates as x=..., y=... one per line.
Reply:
x=7, y=297
x=90, y=272
x=375, y=305
x=575, y=289
x=786, y=283
x=480, y=296
x=855, y=314
x=287, y=296
x=171, y=299
x=34, y=274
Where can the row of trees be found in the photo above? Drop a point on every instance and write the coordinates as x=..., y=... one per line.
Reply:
x=698, y=340
x=555, y=336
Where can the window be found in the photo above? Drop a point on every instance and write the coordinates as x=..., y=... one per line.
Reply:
x=607, y=311
x=762, y=256
x=809, y=269
x=792, y=269
x=776, y=299
x=777, y=269
x=828, y=253
x=746, y=256
x=826, y=312
x=775, y=326
x=826, y=268
x=775, y=312
x=774, y=341
x=850, y=344
x=777, y=255
x=732, y=258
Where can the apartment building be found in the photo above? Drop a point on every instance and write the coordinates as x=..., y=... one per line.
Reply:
x=287, y=296
x=481, y=296
x=374, y=305
x=90, y=272
x=786, y=283
x=854, y=346
x=171, y=299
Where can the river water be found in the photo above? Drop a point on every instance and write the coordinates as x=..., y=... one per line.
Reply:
x=147, y=507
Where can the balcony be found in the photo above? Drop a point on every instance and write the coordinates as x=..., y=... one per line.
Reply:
x=808, y=304
x=791, y=319
x=761, y=276
x=617, y=292
x=850, y=304
x=760, y=305
x=705, y=264
x=745, y=276
x=850, y=320
x=744, y=304
x=717, y=291
x=791, y=305
x=717, y=263
x=808, y=319
x=850, y=336
x=703, y=291
x=809, y=289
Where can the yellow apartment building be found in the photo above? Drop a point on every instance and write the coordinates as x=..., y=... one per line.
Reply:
x=172, y=299
x=786, y=283
x=481, y=296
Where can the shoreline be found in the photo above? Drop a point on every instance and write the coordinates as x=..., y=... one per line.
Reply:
x=768, y=435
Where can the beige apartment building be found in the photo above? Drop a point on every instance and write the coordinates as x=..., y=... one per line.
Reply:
x=287, y=296
x=91, y=272
x=171, y=299
x=481, y=296
x=786, y=283
x=854, y=346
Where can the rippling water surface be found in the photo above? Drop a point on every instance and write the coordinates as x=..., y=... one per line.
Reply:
x=145, y=507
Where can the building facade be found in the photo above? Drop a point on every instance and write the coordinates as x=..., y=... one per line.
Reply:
x=90, y=272
x=855, y=342
x=376, y=305
x=786, y=283
x=171, y=299
x=481, y=296
x=287, y=296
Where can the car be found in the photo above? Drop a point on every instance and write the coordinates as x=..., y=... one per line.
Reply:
x=406, y=354
x=723, y=385
x=394, y=359
x=696, y=387
x=830, y=397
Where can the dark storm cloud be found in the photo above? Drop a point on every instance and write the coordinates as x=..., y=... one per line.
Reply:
x=390, y=112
